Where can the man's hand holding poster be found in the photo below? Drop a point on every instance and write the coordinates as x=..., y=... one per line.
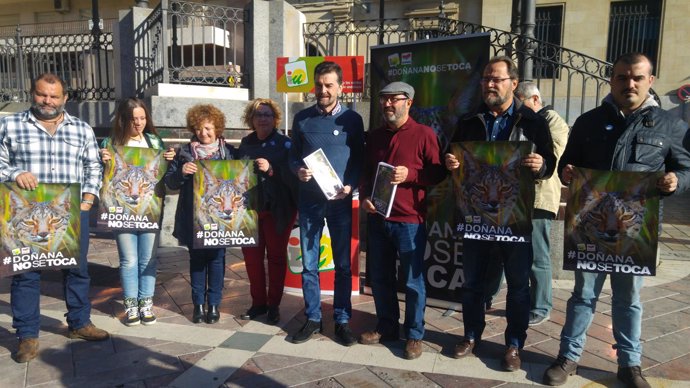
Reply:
x=40, y=228
x=494, y=193
x=132, y=197
x=224, y=203
x=612, y=222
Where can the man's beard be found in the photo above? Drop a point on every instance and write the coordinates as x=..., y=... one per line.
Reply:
x=46, y=113
x=494, y=100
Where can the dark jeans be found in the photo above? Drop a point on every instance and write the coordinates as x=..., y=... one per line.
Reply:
x=25, y=292
x=207, y=272
x=338, y=214
x=388, y=241
x=517, y=261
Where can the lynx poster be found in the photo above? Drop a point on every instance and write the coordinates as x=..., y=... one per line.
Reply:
x=40, y=228
x=445, y=73
x=612, y=222
x=132, y=195
x=494, y=193
x=224, y=204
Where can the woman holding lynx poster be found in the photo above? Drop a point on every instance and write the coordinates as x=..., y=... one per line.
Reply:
x=133, y=127
x=269, y=149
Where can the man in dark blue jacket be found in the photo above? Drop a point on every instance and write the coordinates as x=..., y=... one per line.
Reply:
x=501, y=118
x=628, y=132
x=339, y=132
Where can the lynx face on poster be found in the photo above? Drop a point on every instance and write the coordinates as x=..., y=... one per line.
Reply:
x=132, y=194
x=494, y=193
x=612, y=222
x=40, y=228
x=224, y=204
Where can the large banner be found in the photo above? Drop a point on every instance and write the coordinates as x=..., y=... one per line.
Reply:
x=224, y=204
x=40, y=228
x=296, y=75
x=494, y=192
x=445, y=73
x=132, y=194
x=612, y=222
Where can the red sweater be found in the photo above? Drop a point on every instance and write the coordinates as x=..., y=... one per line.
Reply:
x=414, y=146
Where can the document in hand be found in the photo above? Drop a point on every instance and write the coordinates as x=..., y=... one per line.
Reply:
x=323, y=172
x=384, y=191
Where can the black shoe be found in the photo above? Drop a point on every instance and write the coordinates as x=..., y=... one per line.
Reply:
x=558, y=372
x=213, y=315
x=310, y=328
x=254, y=312
x=632, y=377
x=344, y=335
x=537, y=319
x=273, y=316
x=199, y=314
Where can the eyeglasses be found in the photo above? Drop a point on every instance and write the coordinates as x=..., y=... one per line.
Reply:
x=263, y=115
x=495, y=81
x=392, y=100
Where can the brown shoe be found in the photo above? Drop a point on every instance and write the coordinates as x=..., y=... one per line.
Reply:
x=89, y=333
x=28, y=350
x=464, y=348
x=413, y=349
x=374, y=337
x=511, y=360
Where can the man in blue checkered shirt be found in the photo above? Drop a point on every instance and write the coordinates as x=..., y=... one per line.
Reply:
x=44, y=144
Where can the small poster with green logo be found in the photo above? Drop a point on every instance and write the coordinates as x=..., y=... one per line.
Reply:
x=295, y=74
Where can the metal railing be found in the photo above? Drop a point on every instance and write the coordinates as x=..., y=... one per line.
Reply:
x=79, y=55
x=189, y=43
x=578, y=81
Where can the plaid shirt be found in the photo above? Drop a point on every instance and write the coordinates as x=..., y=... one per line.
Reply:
x=69, y=156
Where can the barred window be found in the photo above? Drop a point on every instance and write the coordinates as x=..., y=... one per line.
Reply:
x=634, y=26
x=548, y=28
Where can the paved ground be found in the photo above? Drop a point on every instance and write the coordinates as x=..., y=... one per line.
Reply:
x=175, y=352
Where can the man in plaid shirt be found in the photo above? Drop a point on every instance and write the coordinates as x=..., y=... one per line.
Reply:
x=45, y=144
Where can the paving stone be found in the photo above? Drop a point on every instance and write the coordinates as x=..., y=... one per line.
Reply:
x=190, y=359
x=246, y=341
x=270, y=362
x=329, y=382
x=444, y=380
x=362, y=377
x=402, y=378
x=662, y=307
x=665, y=324
x=677, y=369
x=248, y=369
x=668, y=347
x=306, y=373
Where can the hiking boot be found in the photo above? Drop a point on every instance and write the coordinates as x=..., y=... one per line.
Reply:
x=511, y=359
x=199, y=314
x=344, y=335
x=375, y=336
x=89, y=332
x=28, y=350
x=632, y=377
x=537, y=319
x=254, y=312
x=304, y=334
x=413, y=349
x=273, y=316
x=131, y=312
x=146, y=311
x=558, y=372
x=464, y=348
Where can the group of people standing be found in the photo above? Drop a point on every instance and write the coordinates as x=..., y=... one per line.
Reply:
x=628, y=132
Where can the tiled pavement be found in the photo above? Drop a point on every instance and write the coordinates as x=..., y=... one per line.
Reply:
x=175, y=352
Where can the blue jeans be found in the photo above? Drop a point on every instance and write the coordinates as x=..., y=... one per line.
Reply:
x=517, y=261
x=338, y=214
x=386, y=242
x=25, y=292
x=207, y=273
x=540, y=277
x=626, y=314
x=137, y=270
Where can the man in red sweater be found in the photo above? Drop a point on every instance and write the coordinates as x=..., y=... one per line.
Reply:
x=414, y=151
